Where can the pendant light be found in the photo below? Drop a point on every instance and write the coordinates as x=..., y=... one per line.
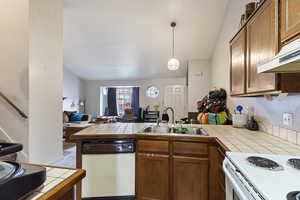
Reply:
x=173, y=63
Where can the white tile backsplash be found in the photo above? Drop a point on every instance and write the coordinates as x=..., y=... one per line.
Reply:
x=292, y=136
x=276, y=131
x=298, y=138
x=281, y=132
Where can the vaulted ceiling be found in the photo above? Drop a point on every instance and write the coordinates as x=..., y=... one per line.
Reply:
x=131, y=39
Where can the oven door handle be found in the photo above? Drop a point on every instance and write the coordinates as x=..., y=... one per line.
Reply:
x=246, y=184
x=237, y=189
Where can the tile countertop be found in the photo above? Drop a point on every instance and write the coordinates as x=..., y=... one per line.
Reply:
x=56, y=179
x=243, y=140
x=235, y=139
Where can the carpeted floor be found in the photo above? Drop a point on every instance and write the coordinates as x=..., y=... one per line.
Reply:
x=69, y=159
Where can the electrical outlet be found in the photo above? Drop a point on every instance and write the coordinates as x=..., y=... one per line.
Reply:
x=288, y=119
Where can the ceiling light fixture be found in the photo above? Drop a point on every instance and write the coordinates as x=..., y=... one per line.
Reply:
x=173, y=63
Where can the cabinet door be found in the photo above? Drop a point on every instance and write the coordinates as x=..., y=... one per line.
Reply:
x=262, y=45
x=238, y=64
x=190, y=178
x=216, y=174
x=221, y=175
x=152, y=177
x=290, y=19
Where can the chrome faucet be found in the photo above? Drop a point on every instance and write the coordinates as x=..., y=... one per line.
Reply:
x=172, y=110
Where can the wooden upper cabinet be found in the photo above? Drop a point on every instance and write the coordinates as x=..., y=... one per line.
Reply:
x=257, y=42
x=152, y=176
x=190, y=178
x=290, y=19
x=262, y=45
x=238, y=64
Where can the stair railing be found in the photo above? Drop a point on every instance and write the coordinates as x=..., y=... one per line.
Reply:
x=21, y=113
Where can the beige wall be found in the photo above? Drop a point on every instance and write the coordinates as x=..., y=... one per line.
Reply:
x=14, y=70
x=270, y=111
x=92, y=91
x=45, y=80
x=31, y=76
x=199, y=83
x=73, y=90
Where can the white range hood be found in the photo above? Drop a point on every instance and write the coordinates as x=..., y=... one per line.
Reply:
x=286, y=61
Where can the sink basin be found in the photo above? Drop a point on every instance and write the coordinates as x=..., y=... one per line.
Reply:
x=157, y=129
x=190, y=131
x=176, y=130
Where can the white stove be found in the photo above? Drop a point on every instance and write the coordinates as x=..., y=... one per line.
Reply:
x=261, y=177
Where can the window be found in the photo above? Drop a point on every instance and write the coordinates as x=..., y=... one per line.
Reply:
x=124, y=96
x=152, y=92
x=114, y=102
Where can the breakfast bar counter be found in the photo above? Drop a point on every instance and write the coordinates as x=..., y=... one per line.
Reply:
x=59, y=184
x=232, y=139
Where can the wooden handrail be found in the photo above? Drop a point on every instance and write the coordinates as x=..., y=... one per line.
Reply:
x=21, y=113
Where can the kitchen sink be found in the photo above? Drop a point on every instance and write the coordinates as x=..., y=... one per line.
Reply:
x=157, y=129
x=190, y=131
x=175, y=130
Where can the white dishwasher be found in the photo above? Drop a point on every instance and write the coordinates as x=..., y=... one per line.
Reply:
x=110, y=169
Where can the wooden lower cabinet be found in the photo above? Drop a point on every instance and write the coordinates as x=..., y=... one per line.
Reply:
x=216, y=180
x=152, y=176
x=189, y=170
x=190, y=178
x=221, y=174
x=69, y=195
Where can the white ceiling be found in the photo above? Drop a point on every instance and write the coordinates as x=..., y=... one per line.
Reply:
x=131, y=39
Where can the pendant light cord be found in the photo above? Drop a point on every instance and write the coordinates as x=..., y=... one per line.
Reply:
x=173, y=41
x=173, y=63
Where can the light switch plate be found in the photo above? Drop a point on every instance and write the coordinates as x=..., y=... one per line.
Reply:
x=287, y=119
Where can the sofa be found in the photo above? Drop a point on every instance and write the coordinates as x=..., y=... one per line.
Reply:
x=74, y=122
x=75, y=117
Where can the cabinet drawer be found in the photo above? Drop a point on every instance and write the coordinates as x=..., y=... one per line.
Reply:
x=190, y=148
x=153, y=146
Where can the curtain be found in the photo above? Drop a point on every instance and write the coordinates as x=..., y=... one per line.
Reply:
x=112, y=101
x=135, y=101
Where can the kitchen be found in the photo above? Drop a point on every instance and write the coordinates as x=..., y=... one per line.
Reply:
x=180, y=166
x=190, y=166
x=157, y=122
